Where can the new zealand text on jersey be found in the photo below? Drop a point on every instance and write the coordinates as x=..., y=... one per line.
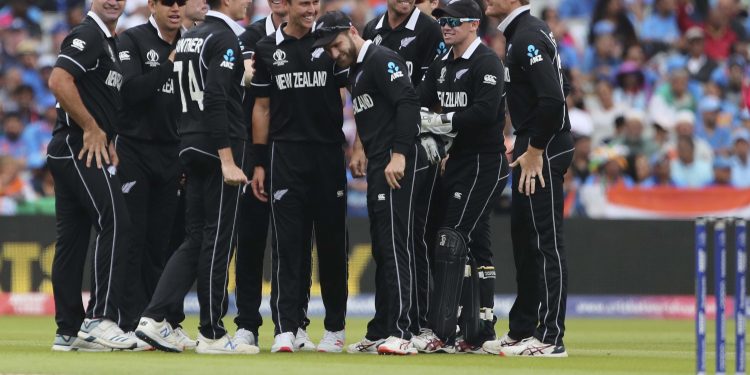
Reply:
x=453, y=99
x=189, y=45
x=362, y=102
x=296, y=80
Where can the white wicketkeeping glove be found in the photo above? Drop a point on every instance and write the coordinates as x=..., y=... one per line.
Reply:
x=435, y=123
x=434, y=152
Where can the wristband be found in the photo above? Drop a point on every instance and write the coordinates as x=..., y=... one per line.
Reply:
x=260, y=153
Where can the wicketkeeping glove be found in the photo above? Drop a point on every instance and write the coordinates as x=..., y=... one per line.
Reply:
x=433, y=147
x=435, y=123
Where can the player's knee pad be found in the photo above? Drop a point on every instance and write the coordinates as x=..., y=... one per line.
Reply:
x=448, y=274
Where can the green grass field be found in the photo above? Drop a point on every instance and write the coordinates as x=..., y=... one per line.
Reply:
x=595, y=347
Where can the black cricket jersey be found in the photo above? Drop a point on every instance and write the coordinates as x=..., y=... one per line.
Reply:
x=303, y=86
x=252, y=35
x=534, y=81
x=386, y=106
x=89, y=54
x=471, y=87
x=418, y=40
x=210, y=69
x=151, y=100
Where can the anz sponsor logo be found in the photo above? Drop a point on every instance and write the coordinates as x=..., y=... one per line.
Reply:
x=228, y=59
x=298, y=80
x=114, y=79
x=362, y=103
x=453, y=99
x=533, y=53
x=193, y=45
x=394, y=71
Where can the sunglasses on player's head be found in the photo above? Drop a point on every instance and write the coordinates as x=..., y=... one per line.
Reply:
x=169, y=3
x=321, y=31
x=454, y=22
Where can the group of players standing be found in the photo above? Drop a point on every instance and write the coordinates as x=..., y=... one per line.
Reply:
x=226, y=103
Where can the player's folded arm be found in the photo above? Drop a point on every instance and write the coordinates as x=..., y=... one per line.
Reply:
x=138, y=86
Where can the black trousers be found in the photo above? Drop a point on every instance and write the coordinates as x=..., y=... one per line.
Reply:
x=470, y=183
x=307, y=189
x=392, y=223
x=538, y=247
x=87, y=197
x=149, y=175
x=211, y=210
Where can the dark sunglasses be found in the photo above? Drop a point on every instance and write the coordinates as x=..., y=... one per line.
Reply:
x=169, y=3
x=454, y=22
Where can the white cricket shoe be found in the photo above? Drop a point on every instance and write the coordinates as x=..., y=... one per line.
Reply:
x=464, y=347
x=107, y=333
x=427, y=341
x=223, y=345
x=65, y=343
x=183, y=339
x=159, y=334
x=140, y=346
x=283, y=343
x=302, y=341
x=495, y=346
x=532, y=347
x=397, y=346
x=332, y=342
x=246, y=337
x=365, y=346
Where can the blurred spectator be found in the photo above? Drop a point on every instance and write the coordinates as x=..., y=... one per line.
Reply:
x=13, y=34
x=26, y=108
x=566, y=45
x=639, y=169
x=722, y=172
x=37, y=136
x=671, y=97
x=660, y=26
x=614, y=11
x=28, y=57
x=604, y=110
x=11, y=142
x=686, y=170
x=718, y=137
x=632, y=138
x=23, y=10
x=581, y=161
x=11, y=185
x=631, y=86
x=719, y=35
x=740, y=162
x=602, y=57
x=699, y=65
x=685, y=127
x=576, y=8
x=730, y=77
x=661, y=174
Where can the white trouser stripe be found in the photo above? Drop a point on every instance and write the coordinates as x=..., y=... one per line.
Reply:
x=213, y=257
x=276, y=236
x=231, y=236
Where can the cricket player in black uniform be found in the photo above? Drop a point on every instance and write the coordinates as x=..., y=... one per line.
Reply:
x=209, y=73
x=386, y=109
x=148, y=145
x=466, y=84
x=86, y=81
x=297, y=122
x=535, y=92
x=417, y=38
x=252, y=216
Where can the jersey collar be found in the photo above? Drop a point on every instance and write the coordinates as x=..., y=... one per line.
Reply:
x=512, y=16
x=280, y=36
x=152, y=21
x=270, y=28
x=236, y=28
x=411, y=24
x=99, y=22
x=469, y=51
x=363, y=51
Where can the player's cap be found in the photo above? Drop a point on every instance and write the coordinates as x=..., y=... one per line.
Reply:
x=694, y=32
x=328, y=27
x=459, y=9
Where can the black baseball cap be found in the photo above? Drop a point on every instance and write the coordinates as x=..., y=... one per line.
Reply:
x=328, y=27
x=459, y=9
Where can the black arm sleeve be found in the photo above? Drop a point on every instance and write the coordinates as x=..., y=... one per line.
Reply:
x=219, y=76
x=249, y=39
x=138, y=86
x=427, y=90
x=544, y=66
x=487, y=87
x=399, y=90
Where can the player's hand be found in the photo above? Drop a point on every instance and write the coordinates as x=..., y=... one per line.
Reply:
x=172, y=55
x=395, y=170
x=258, y=184
x=233, y=175
x=531, y=169
x=442, y=164
x=435, y=123
x=113, y=154
x=94, y=146
x=358, y=163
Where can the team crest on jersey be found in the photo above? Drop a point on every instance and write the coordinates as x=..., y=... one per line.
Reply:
x=228, y=59
x=316, y=54
x=533, y=53
x=279, y=58
x=152, y=58
x=460, y=74
x=442, y=75
x=406, y=41
x=78, y=44
x=394, y=71
x=378, y=39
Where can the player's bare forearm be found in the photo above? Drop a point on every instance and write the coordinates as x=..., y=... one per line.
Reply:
x=62, y=84
x=261, y=120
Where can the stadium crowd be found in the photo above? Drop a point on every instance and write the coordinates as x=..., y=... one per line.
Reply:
x=659, y=91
